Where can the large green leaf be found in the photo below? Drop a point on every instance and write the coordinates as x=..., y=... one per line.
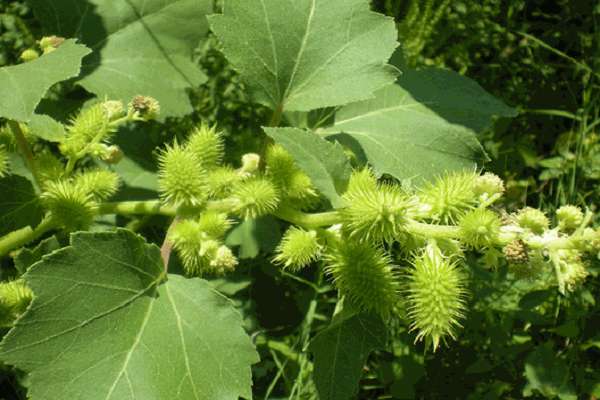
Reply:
x=548, y=374
x=324, y=162
x=423, y=125
x=306, y=54
x=340, y=351
x=140, y=47
x=106, y=324
x=23, y=86
x=19, y=204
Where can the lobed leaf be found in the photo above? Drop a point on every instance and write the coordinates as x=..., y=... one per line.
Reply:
x=306, y=54
x=106, y=324
x=23, y=86
x=140, y=47
x=420, y=127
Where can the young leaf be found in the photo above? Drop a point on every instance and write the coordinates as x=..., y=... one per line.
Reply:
x=307, y=54
x=22, y=86
x=19, y=205
x=104, y=324
x=140, y=47
x=324, y=162
x=340, y=352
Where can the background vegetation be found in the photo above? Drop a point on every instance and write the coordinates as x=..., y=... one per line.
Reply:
x=542, y=59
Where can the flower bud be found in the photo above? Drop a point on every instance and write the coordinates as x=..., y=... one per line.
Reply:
x=479, y=228
x=507, y=219
x=200, y=253
x=113, y=154
x=49, y=167
x=487, y=185
x=207, y=145
x=298, y=248
x=223, y=261
x=570, y=217
x=16, y=294
x=72, y=207
x=221, y=181
x=362, y=180
x=249, y=164
x=572, y=269
x=215, y=224
x=83, y=129
x=435, y=295
x=297, y=191
x=146, y=107
x=451, y=196
x=516, y=252
x=379, y=213
x=365, y=275
x=101, y=183
x=181, y=178
x=533, y=219
x=50, y=43
x=113, y=110
x=45, y=43
x=29, y=55
x=255, y=196
x=593, y=246
x=279, y=163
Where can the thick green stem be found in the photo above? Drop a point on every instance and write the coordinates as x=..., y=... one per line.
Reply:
x=27, y=155
x=308, y=220
x=137, y=207
x=23, y=236
x=433, y=231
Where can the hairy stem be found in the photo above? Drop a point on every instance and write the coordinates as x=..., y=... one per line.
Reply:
x=137, y=207
x=97, y=139
x=167, y=246
x=307, y=220
x=23, y=236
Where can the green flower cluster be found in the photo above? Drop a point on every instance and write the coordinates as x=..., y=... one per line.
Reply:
x=434, y=225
